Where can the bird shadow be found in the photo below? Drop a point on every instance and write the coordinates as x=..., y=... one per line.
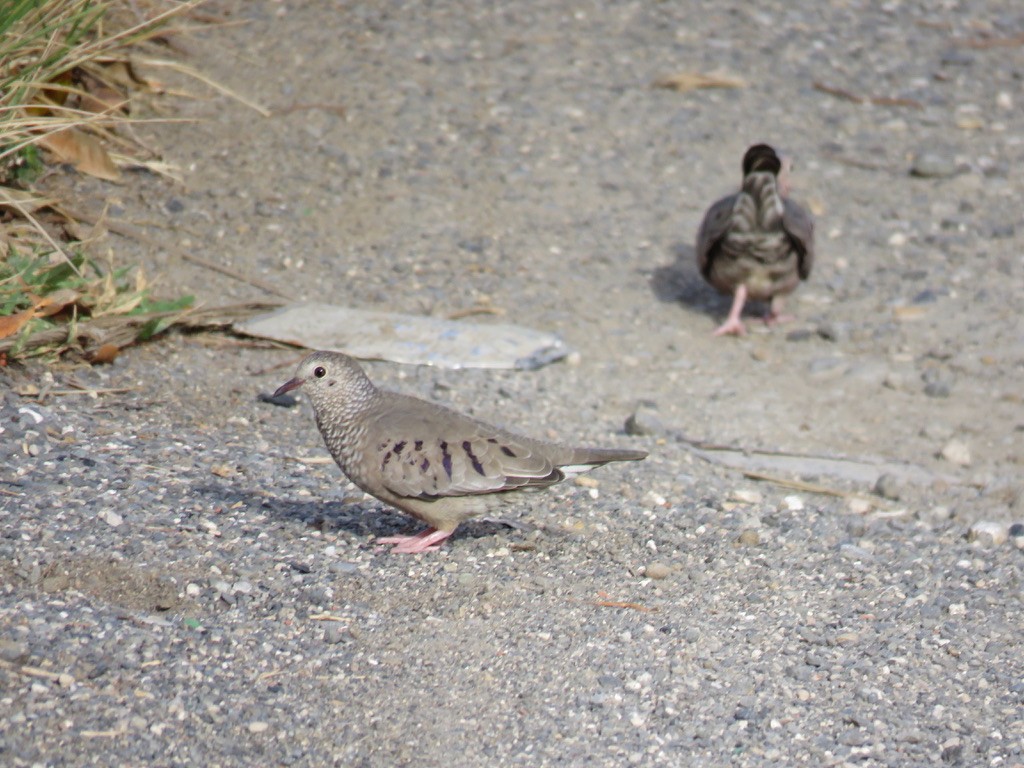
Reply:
x=681, y=282
x=365, y=518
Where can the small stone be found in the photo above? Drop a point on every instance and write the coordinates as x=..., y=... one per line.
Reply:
x=957, y=452
x=745, y=496
x=824, y=368
x=833, y=331
x=938, y=388
x=258, y=727
x=938, y=514
x=193, y=590
x=13, y=651
x=952, y=750
x=110, y=517
x=988, y=533
x=931, y=165
x=937, y=383
x=644, y=421
x=859, y=505
x=793, y=503
x=895, y=380
x=242, y=587
x=334, y=633
x=1017, y=529
x=956, y=609
x=657, y=571
x=749, y=537
x=855, y=553
x=799, y=334
x=888, y=486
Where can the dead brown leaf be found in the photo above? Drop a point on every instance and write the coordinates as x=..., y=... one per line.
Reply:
x=692, y=81
x=54, y=302
x=83, y=151
x=105, y=353
x=11, y=324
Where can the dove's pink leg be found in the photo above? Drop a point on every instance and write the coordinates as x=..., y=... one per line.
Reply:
x=733, y=325
x=429, y=540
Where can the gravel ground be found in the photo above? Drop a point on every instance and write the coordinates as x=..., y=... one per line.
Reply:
x=185, y=581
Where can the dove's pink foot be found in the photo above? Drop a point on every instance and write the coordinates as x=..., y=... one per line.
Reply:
x=733, y=326
x=429, y=540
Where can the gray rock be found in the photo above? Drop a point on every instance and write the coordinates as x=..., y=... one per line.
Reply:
x=957, y=452
x=14, y=651
x=644, y=421
x=988, y=533
x=889, y=486
x=932, y=165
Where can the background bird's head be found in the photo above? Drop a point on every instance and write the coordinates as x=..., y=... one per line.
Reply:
x=761, y=158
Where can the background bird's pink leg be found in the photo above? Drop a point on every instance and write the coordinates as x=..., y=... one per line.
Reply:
x=429, y=540
x=776, y=312
x=733, y=325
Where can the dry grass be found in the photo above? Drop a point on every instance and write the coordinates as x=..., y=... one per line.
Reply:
x=67, y=81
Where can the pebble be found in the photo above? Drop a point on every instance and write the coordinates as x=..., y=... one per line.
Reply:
x=824, y=368
x=258, y=726
x=14, y=651
x=858, y=505
x=957, y=452
x=988, y=533
x=937, y=514
x=937, y=383
x=644, y=421
x=334, y=633
x=657, y=571
x=888, y=486
x=745, y=496
x=932, y=165
x=853, y=552
x=110, y=517
x=834, y=331
x=793, y=503
x=749, y=537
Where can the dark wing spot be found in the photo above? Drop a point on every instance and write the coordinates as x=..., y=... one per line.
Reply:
x=492, y=440
x=446, y=459
x=399, y=447
x=468, y=448
x=508, y=451
x=425, y=465
x=384, y=463
x=418, y=445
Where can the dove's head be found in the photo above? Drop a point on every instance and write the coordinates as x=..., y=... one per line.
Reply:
x=332, y=381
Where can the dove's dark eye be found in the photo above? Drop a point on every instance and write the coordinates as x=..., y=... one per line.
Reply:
x=319, y=371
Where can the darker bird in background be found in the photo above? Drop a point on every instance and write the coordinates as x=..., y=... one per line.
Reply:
x=757, y=243
x=436, y=464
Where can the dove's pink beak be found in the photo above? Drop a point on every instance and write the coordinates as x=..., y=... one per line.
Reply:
x=288, y=386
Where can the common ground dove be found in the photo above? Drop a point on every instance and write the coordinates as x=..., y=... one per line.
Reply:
x=433, y=463
x=756, y=243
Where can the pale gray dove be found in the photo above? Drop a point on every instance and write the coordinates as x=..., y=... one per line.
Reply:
x=433, y=463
